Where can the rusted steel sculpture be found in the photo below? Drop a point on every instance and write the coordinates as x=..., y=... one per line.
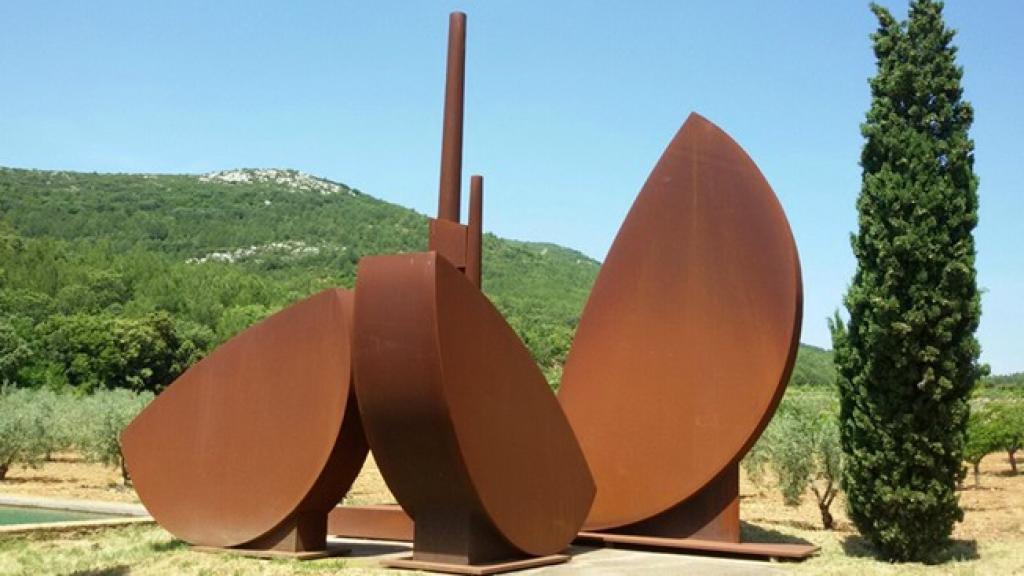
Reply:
x=684, y=348
x=254, y=445
x=681, y=356
x=463, y=425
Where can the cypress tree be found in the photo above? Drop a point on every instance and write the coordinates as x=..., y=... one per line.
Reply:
x=908, y=358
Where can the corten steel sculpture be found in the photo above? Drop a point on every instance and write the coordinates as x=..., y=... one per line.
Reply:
x=681, y=357
x=462, y=423
x=684, y=349
x=254, y=445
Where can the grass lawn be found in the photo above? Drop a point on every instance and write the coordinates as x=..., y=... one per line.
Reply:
x=145, y=550
x=989, y=541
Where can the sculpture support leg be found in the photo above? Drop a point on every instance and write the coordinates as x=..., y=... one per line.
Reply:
x=713, y=513
x=460, y=540
x=707, y=522
x=303, y=532
x=302, y=536
x=465, y=544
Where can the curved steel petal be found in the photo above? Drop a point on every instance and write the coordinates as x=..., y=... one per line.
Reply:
x=261, y=432
x=690, y=333
x=461, y=422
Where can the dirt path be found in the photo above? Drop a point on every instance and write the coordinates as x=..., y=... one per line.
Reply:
x=993, y=511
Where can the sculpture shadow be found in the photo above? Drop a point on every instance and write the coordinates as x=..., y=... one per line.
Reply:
x=112, y=571
x=787, y=523
x=857, y=546
x=41, y=479
x=761, y=535
x=982, y=488
x=168, y=546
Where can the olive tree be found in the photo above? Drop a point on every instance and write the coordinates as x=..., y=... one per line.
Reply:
x=1008, y=429
x=981, y=440
x=105, y=414
x=801, y=447
x=22, y=430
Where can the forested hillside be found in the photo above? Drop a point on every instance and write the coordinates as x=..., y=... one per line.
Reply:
x=124, y=280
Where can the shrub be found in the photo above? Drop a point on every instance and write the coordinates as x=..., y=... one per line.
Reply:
x=981, y=440
x=15, y=352
x=60, y=420
x=801, y=447
x=1007, y=421
x=105, y=414
x=22, y=429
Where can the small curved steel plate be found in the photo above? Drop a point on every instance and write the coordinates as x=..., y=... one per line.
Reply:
x=458, y=416
x=690, y=333
x=253, y=433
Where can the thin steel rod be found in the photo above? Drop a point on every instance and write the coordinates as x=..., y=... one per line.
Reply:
x=474, y=240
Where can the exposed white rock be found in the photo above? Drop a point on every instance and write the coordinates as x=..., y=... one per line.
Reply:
x=293, y=179
x=294, y=248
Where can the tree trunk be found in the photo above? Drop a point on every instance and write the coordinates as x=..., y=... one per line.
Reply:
x=3, y=470
x=977, y=474
x=826, y=517
x=824, y=503
x=1013, y=461
x=125, y=479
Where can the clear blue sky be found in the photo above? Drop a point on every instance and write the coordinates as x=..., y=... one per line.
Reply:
x=569, y=105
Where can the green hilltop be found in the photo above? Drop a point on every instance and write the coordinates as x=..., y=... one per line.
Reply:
x=90, y=263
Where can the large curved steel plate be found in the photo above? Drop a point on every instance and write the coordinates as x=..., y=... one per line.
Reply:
x=686, y=343
x=458, y=416
x=253, y=433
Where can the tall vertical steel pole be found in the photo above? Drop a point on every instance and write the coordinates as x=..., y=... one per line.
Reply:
x=448, y=206
x=474, y=237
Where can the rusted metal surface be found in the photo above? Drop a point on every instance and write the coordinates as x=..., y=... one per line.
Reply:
x=708, y=521
x=328, y=551
x=411, y=563
x=475, y=235
x=712, y=513
x=680, y=359
x=690, y=333
x=458, y=243
x=255, y=444
x=751, y=550
x=449, y=202
x=465, y=430
x=450, y=240
x=379, y=522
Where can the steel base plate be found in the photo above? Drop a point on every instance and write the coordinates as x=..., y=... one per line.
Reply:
x=329, y=552
x=748, y=549
x=408, y=563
